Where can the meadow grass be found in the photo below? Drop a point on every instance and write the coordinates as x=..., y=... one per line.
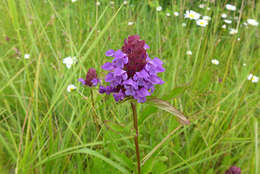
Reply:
x=45, y=129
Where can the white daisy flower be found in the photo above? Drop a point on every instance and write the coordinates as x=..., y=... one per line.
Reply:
x=207, y=18
x=73, y=0
x=223, y=15
x=192, y=15
x=224, y=26
x=245, y=24
x=125, y=2
x=252, y=22
x=244, y=64
x=184, y=24
x=227, y=21
x=27, y=56
x=233, y=31
x=238, y=39
x=250, y=76
x=168, y=14
x=112, y=2
x=231, y=7
x=159, y=8
x=202, y=22
x=97, y=3
x=201, y=5
x=215, y=61
x=71, y=87
x=255, y=79
x=69, y=61
x=130, y=23
x=189, y=53
x=176, y=13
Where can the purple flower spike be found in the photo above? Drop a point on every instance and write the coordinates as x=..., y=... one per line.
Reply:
x=132, y=73
x=91, y=78
x=233, y=170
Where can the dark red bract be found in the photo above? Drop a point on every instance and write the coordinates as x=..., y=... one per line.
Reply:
x=91, y=74
x=233, y=170
x=136, y=53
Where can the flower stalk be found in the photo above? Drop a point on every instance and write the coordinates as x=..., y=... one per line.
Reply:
x=136, y=137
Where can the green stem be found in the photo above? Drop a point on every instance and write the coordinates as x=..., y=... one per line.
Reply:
x=136, y=137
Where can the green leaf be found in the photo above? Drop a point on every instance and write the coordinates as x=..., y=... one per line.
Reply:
x=145, y=113
x=174, y=93
x=166, y=106
x=115, y=127
x=89, y=152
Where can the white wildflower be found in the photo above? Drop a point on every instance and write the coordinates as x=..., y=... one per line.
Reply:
x=159, y=8
x=233, y=31
x=215, y=61
x=223, y=15
x=168, y=14
x=189, y=52
x=176, y=13
x=69, y=61
x=255, y=79
x=27, y=56
x=202, y=22
x=224, y=26
x=97, y=3
x=231, y=7
x=192, y=15
x=227, y=21
x=130, y=23
x=252, y=22
x=250, y=76
x=71, y=87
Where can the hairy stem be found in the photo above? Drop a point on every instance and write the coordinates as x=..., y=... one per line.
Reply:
x=136, y=137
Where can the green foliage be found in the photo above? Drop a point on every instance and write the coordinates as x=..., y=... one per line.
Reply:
x=45, y=129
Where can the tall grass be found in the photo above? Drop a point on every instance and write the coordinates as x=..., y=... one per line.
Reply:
x=45, y=129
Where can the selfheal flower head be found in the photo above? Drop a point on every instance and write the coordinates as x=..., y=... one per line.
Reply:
x=233, y=170
x=91, y=78
x=131, y=73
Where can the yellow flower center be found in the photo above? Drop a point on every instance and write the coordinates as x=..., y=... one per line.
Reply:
x=192, y=16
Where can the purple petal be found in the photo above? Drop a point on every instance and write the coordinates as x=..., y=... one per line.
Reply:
x=82, y=81
x=102, y=89
x=146, y=46
x=110, y=53
x=157, y=61
x=119, y=96
x=95, y=82
x=109, y=77
x=119, y=54
x=119, y=72
x=108, y=66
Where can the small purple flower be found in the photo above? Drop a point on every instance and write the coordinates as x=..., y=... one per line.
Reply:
x=91, y=78
x=233, y=170
x=132, y=73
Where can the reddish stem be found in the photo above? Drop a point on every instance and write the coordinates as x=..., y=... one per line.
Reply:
x=136, y=137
